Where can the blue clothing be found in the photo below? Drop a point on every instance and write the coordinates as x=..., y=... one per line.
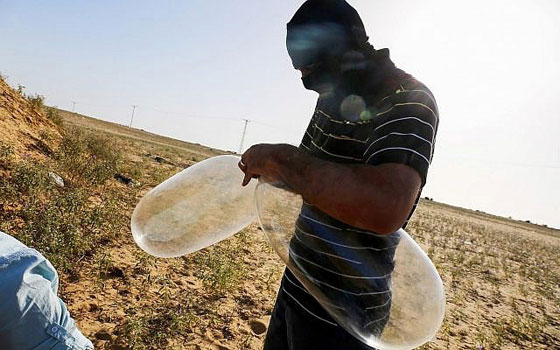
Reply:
x=32, y=316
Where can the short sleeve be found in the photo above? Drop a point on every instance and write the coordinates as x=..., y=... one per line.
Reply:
x=404, y=130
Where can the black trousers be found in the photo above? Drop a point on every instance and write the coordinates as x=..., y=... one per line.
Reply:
x=293, y=328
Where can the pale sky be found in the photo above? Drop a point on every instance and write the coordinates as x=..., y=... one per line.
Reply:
x=492, y=65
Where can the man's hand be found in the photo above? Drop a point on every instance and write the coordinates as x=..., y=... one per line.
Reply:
x=376, y=198
x=261, y=161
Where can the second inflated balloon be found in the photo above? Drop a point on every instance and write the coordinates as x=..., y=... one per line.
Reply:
x=383, y=289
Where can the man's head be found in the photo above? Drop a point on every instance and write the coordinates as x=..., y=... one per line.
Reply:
x=319, y=35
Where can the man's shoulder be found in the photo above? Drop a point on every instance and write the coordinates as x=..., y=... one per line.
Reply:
x=413, y=84
x=409, y=92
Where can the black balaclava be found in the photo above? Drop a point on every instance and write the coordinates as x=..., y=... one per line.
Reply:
x=326, y=36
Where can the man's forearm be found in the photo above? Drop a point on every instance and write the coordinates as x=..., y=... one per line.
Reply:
x=368, y=197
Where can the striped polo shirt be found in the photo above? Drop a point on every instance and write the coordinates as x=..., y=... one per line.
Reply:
x=344, y=262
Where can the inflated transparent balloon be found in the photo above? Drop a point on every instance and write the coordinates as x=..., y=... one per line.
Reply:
x=383, y=289
x=194, y=209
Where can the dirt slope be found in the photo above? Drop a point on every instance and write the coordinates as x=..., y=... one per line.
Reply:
x=22, y=121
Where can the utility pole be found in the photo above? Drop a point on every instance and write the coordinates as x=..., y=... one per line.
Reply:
x=132, y=116
x=243, y=136
x=73, y=106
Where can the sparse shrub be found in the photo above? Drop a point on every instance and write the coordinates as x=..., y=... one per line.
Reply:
x=160, y=174
x=221, y=268
x=6, y=152
x=104, y=262
x=30, y=178
x=133, y=170
x=64, y=227
x=133, y=331
x=88, y=158
x=154, y=330
x=220, y=274
x=54, y=116
x=46, y=136
x=45, y=142
x=65, y=224
x=36, y=102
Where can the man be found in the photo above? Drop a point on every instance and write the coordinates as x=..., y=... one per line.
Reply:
x=360, y=169
x=32, y=316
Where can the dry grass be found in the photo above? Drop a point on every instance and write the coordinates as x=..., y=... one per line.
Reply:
x=501, y=276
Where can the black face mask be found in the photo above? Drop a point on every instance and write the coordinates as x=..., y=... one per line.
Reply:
x=323, y=78
x=346, y=72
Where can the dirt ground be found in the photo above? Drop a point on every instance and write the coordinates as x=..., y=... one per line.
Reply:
x=501, y=276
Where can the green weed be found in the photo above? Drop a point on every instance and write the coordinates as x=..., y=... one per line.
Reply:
x=88, y=159
x=6, y=155
x=65, y=224
x=220, y=268
x=37, y=102
x=54, y=116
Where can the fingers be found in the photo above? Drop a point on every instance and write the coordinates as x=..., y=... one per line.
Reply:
x=248, y=175
x=242, y=166
x=246, y=179
x=249, y=165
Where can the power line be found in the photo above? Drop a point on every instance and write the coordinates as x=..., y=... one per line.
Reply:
x=199, y=117
x=179, y=114
x=183, y=115
x=273, y=126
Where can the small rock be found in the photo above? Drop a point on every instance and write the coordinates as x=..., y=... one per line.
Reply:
x=125, y=179
x=103, y=335
x=93, y=307
x=114, y=271
x=257, y=327
x=162, y=160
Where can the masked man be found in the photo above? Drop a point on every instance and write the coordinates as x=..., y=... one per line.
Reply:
x=360, y=169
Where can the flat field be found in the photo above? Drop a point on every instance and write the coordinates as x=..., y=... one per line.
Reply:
x=501, y=276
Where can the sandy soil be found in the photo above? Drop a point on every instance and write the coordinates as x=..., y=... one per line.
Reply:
x=501, y=276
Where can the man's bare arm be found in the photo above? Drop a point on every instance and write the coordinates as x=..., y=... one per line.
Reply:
x=376, y=198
